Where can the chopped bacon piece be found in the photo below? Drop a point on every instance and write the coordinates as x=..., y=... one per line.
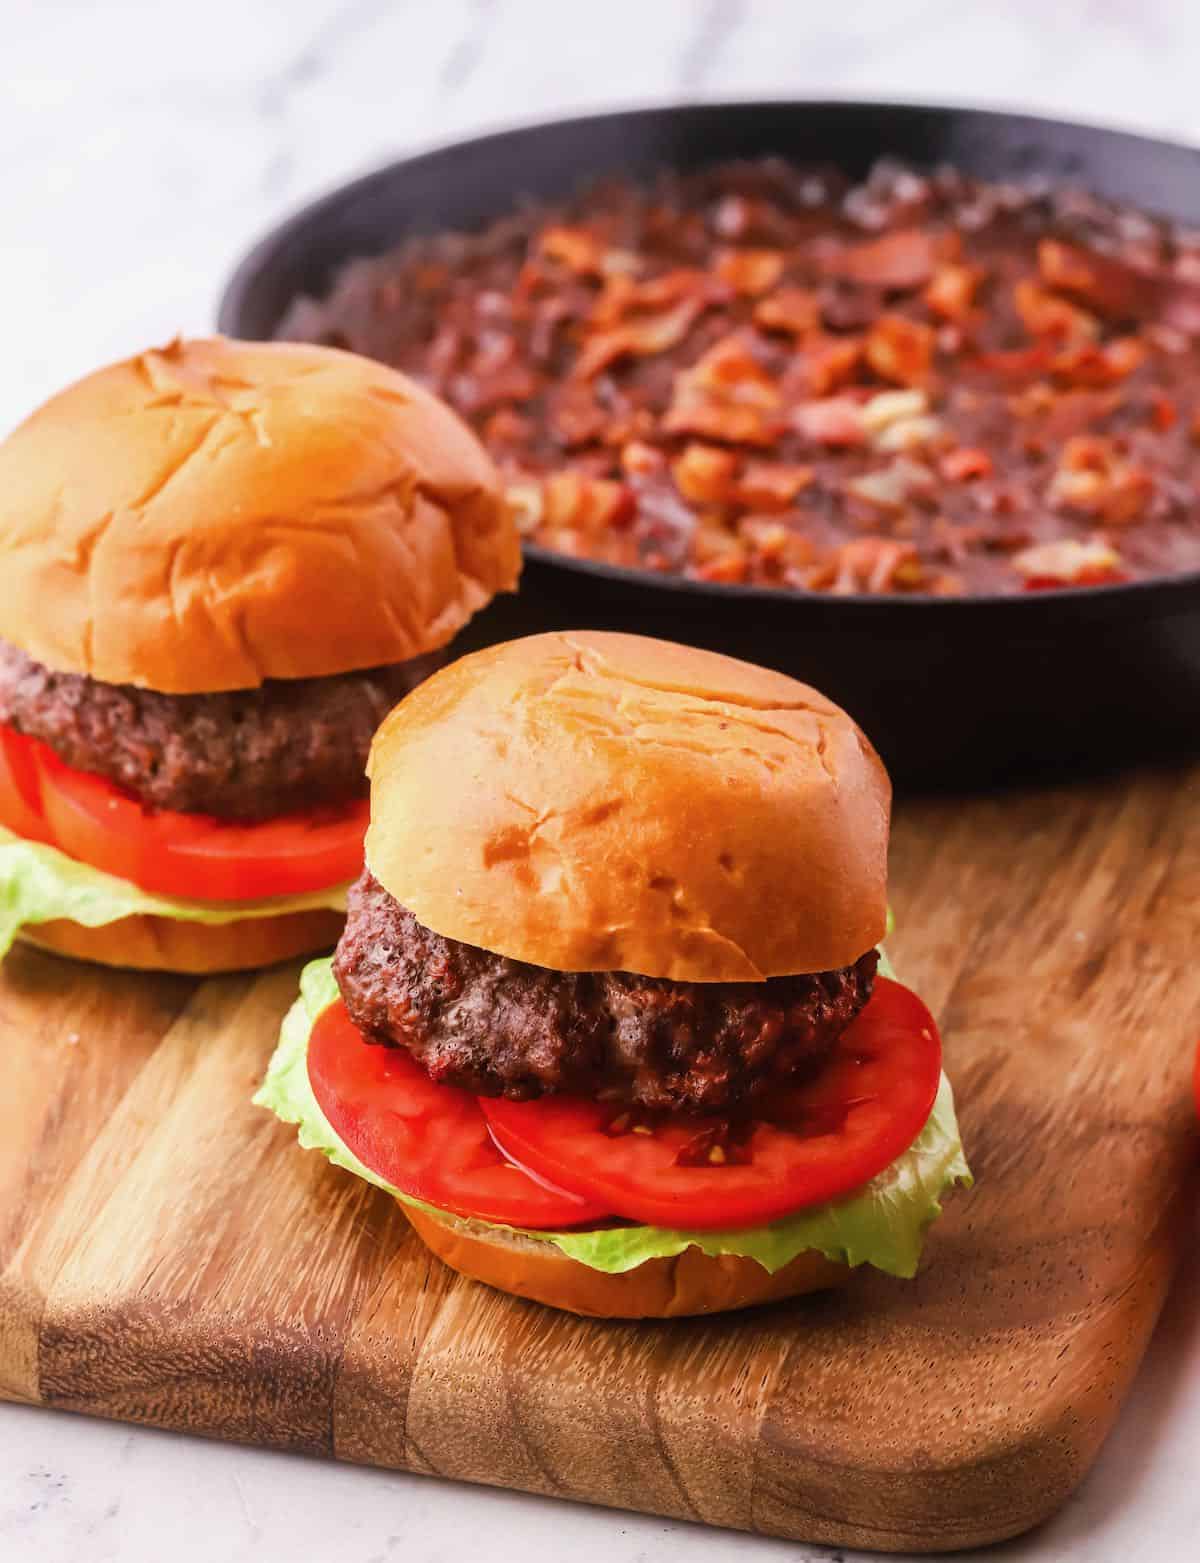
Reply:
x=1091, y=364
x=729, y=368
x=777, y=552
x=794, y=310
x=900, y=262
x=876, y=565
x=670, y=287
x=572, y=501
x=622, y=297
x=1112, y=287
x=951, y=291
x=749, y=272
x=1065, y=266
x=1045, y=314
x=828, y=363
x=641, y=337
x=900, y=350
x=705, y=474
x=1095, y=479
x=726, y=395
x=1068, y=562
x=965, y=463
x=613, y=302
x=577, y=249
x=718, y=553
x=711, y=418
x=771, y=485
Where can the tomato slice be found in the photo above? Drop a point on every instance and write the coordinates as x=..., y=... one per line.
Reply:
x=20, y=788
x=193, y=856
x=425, y=1139
x=823, y=1140
x=283, y=856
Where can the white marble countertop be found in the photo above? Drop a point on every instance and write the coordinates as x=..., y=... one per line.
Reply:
x=145, y=145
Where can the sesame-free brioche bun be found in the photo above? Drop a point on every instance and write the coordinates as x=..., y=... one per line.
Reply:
x=692, y=1282
x=146, y=943
x=214, y=513
x=598, y=802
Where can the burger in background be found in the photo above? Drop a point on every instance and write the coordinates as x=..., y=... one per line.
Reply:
x=221, y=564
x=608, y=1015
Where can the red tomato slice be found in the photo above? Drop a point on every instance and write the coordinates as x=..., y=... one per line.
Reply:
x=283, y=856
x=20, y=789
x=824, y=1139
x=189, y=855
x=425, y=1139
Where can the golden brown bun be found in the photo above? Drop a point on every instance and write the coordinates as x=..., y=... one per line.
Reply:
x=594, y=802
x=692, y=1282
x=164, y=944
x=215, y=513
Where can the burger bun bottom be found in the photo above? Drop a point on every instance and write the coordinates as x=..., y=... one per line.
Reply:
x=688, y=1283
x=198, y=949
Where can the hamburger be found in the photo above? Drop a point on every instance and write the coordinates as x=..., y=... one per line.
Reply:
x=221, y=564
x=608, y=1015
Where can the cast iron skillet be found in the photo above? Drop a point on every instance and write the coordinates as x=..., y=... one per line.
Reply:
x=969, y=690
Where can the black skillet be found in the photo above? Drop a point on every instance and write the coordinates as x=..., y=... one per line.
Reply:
x=970, y=690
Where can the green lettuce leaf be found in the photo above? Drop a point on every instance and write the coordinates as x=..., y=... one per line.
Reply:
x=882, y=1224
x=39, y=884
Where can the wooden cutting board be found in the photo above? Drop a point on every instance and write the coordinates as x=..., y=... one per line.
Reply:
x=168, y=1256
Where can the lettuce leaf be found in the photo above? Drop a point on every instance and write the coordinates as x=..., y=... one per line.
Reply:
x=39, y=884
x=882, y=1224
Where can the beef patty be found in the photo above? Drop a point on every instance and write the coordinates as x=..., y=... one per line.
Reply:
x=245, y=754
x=500, y=1027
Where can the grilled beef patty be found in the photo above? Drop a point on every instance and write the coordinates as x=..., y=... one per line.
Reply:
x=499, y=1027
x=243, y=755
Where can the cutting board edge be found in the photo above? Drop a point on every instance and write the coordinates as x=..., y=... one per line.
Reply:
x=226, y=1350
x=837, y=1535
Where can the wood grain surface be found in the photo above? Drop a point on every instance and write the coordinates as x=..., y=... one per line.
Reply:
x=168, y=1256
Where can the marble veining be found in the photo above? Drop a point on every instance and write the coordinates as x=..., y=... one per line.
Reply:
x=144, y=147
